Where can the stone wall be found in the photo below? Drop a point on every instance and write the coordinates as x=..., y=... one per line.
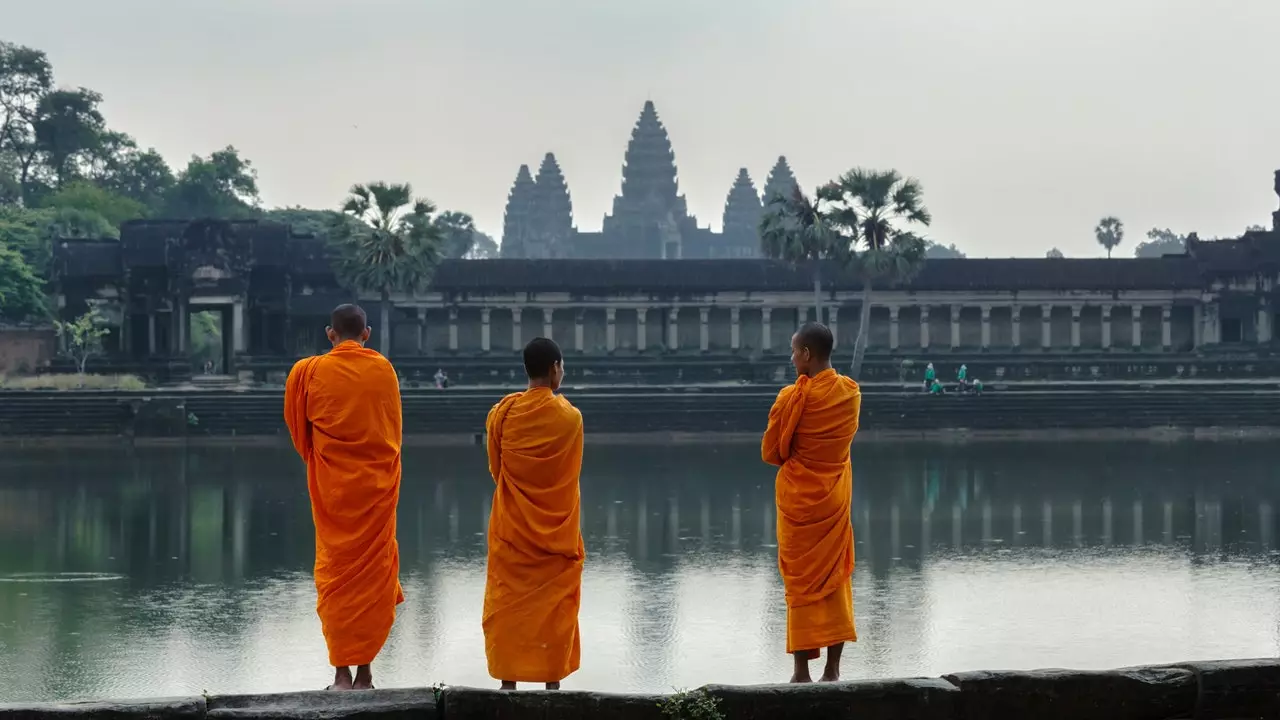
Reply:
x=25, y=350
x=1226, y=690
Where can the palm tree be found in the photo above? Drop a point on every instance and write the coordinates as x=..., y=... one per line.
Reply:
x=1110, y=233
x=795, y=229
x=875, y=210
x=386, y=243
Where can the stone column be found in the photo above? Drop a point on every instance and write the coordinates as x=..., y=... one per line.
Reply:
x=1046, y=326
x=642, y=329
x=611, y=329
x=924, y=327
x=420, y=331
x=1106, y=327
x=453, y=329
x=1166, y=327
x=833, y=316
x=986, y=327
x=237, y=325
x=548, y=325
x=1015, y=326
x=485, y=343
x=955, y=326
x=704, y=330
x=1075, y=326
x=579, y=339
x=893, y=328
x=735, y=329
x=151, y=332
x=180, y=313
x=1265, y=331
x=1197, y=324
x=766, y=328
x=517, y=335
x=1137, y=326
x=673, y=329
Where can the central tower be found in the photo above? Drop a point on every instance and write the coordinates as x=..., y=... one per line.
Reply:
x=650, y=218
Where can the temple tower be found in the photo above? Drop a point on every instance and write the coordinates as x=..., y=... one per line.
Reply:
x=650, y=218
x=1275, y=216
x=781, y=181
x=516, y=228
x=551, y=216
x=742, y=212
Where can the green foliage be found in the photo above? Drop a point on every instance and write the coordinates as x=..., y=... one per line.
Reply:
x=306, y=221
x=1110, y=233
x=82, y=338
x=394, y=246
x=1054, y=254
x=877, y=211
x=457, y=234
x=140, y=175
x=938, y=251
x=86, y=196
x=1161, y=242
x=68, y=130
x=691, y=705
x=797, y=229
x=26, y=77
x=206, y=339
x=223, y=185
x=21, y=290
x=485, y=247
x=33, y=232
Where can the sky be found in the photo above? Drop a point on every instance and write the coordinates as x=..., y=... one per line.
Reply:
x=1024, y=121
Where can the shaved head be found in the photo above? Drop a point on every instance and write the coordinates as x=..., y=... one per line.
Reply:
x=816, y=338
x=348, y=322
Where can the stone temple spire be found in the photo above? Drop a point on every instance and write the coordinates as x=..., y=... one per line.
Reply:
x=649, y=175
x=742, y=209
x=552, y=210
x=515, y=226
x=781, y=181
x=1275, y=216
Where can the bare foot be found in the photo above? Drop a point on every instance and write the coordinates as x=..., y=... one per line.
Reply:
x=831, y=673
x=830, y=676
x=341, y=679
x=553, y=686
x=798, y=678
x=507, y=685
x=364, y=678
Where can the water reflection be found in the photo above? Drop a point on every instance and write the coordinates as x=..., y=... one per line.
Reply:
x=185, y=571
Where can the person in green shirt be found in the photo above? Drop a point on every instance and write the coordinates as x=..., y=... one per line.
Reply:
x=929, y=376
x=936, y=388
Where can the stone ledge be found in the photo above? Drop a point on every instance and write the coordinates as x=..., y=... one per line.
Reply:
x=1225, y=690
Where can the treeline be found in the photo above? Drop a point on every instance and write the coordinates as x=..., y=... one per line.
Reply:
x=65, y=173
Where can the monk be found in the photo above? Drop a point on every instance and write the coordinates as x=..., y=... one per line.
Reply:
x=343, y=413
x=533, y=588
x=811, y=426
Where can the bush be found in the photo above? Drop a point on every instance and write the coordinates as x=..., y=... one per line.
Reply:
x=73, y=382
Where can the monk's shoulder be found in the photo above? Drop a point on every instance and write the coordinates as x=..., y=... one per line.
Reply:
x=568, y=409
x=299, y=365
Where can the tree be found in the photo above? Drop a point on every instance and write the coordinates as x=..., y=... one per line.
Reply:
x=26, y=76
x=306, y=221
x=1054, y=254
x=84, y=195
x=82, y=338
x=1161, y=242
x=877, y=210
x=485, y=248
x=120, y=167
x=796, y=229
x=458, y=233
x=68, y=129
x=393, y=247
x=34, y=232
x=1110, y=233
x=937, y=251
x=21, y=290
x=223, y=185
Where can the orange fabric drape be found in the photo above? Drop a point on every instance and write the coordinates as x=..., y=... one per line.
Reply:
x=811, y=427
x=533, y=587
x=343, y=413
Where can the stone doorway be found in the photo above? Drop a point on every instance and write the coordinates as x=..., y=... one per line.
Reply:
x=209, y=340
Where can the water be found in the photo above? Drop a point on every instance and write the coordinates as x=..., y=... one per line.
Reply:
x=165, y=572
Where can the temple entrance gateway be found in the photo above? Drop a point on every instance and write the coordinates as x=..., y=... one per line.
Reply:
x=207, y=345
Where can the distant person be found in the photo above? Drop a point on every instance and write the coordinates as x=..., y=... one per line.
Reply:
x=343, y=412
x=442, y=380
x=977, y=386
x=533, y=587
x=936, y=388
x=962, y=377
x=811, y=426
x=929, y=376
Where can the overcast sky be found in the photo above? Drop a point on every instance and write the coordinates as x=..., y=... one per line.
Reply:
x=1025, y=120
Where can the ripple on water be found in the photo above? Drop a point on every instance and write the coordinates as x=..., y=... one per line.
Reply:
x=60, y=577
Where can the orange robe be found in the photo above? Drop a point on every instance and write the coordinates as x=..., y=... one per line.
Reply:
x=343, y=412
x=534, y=584
x=811, y=427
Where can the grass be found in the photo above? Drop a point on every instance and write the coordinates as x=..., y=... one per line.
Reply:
x=72, y=382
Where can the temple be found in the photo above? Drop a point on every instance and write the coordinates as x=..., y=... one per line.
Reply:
x=650, y=218
x=270, y=291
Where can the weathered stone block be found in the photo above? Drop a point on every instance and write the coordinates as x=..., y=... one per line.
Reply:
x=919, y=699
x=161, y=709
x=1142, y=693
x=415, y=704
x=1237, y=689
x=474, y=704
